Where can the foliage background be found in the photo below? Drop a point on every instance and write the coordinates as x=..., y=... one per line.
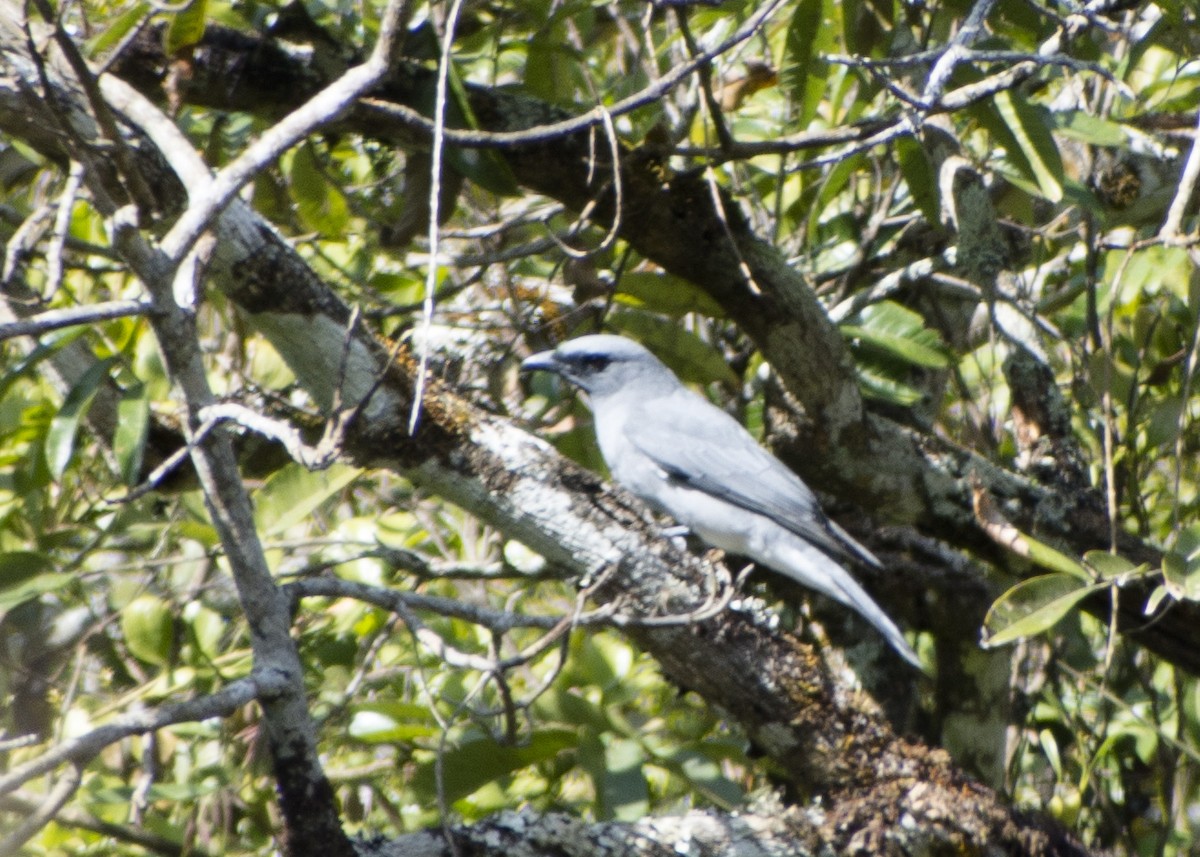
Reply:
x=111, y=603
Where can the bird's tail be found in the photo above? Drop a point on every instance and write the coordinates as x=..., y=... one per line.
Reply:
x=810, y=566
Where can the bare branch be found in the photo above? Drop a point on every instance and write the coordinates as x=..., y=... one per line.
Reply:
x=1183, y=193
x=82, y=749
x=322, y=108
x=56, y=319
x=45, y=812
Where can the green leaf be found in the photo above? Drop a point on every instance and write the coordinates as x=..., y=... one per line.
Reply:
x=919, y=175
x=116, y=30
x=624, y=794
x=207, y=628
x=898, y=332
x=658, y=291
x=705, y=775
x=1041, y=554
x=133, y=422
x=800, y=78
x=1093, y=130
x=1109, y=566
x=319, y=203
x=1182, y=576
x=482, y=166
x=60, y=438
x=1036, y=150
x=1034, y=606
x=149, y=629
x=477, y=762
x=391, y=723
x=292, y=494
x=186, y=27
x=25, y=575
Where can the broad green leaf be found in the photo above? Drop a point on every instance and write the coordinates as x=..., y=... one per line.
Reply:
x=882, y=387
x=479, y=761
x=624, y=794
x=1093, y=130
x=918, y=174
x=319, y=203
x=116, y=29
x=665, y=293
x=705, y=775
x=1036, y=147
x=800, y=76
x=293, y=493
x=60, y=439
x=207, y=628
x=133, y=421
x=25, y=575
x=1034, y=606
x=149, y=629
x=1108, y=565
x=391, y=723
x=186, y=27
x=1182, y=575
x=898, y=332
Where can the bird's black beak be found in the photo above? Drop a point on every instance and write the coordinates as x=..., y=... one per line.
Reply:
x=543, y=361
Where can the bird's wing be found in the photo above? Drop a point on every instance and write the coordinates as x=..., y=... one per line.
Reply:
x=699, y=445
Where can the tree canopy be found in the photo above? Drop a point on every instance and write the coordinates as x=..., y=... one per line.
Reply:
x=293, y=558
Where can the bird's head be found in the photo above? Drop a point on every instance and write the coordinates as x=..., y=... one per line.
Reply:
x=602, y=364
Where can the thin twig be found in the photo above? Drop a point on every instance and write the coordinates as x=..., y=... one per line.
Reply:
x=1183, y=194
x=83, y=748
x=324, y=107
x=435, y=194
x=576, y=124
x=62, y=225
x=66, y=786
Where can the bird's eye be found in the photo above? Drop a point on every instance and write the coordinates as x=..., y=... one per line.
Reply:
x=594, y=362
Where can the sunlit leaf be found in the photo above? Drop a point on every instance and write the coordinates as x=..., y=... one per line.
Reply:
x=1108, y=565
x=117, y=29
x=293, y=493
x=691, y=358
x=148, y=628
x=898, y=332
x=319, y=203
x=1034, y=606
x=186, y=27
x=1037, y=150
x=664, y=293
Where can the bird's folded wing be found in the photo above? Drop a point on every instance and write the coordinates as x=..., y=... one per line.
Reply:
x=717, y=456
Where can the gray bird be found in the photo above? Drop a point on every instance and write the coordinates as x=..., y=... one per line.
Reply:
x=686, y=457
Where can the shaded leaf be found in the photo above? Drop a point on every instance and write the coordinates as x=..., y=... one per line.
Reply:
x=133, y=422
x=25, y=575
x=60, y=438
x=479, y=761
